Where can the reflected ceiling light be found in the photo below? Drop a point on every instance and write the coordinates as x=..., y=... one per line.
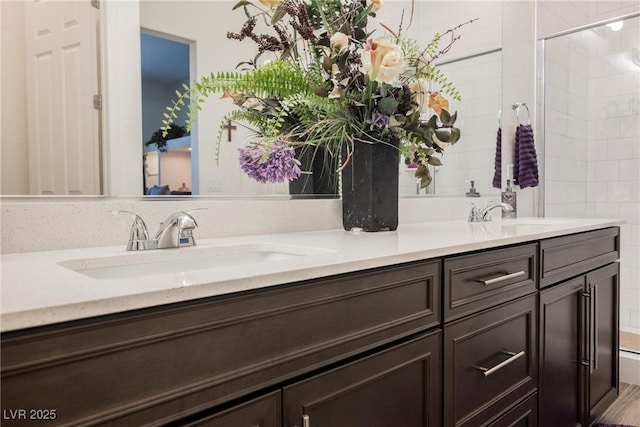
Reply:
x=615, y=26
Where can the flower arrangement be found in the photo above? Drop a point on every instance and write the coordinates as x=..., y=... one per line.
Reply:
x=330, y=82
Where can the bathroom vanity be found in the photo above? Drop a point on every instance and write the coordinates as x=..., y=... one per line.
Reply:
x=509, y=323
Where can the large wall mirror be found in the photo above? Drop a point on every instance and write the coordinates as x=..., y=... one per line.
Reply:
x=146, y=50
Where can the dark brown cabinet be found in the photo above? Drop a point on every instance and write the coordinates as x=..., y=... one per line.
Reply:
x=490, y=362
x=579, y=332
x=170, y=363
x=517, y=336
x=400, y=386
x=561, y=335
x=602, y=340
x=263, y=411
x=525, y=414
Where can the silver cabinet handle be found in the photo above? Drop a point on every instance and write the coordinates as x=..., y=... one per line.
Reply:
x=513, y=358
x=595, y=326
x=507, y=276
x=591, y=327
x=587, y=307
x=306, y=421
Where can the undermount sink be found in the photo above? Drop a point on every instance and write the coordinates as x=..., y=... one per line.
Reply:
x=172, y=261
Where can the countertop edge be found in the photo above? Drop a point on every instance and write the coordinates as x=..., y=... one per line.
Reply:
x=29, y=318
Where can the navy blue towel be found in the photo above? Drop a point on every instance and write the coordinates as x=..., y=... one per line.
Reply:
x=525, y=167
x=497, y=174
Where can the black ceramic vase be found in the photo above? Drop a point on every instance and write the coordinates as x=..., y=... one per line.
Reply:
x=320, y=178
x=370, y=187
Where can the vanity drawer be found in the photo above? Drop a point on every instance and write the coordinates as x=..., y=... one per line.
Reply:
x=569, y=256
x=490, y=362
x=264, y=411
x=476, y=281
x=160, y=364
x=523, y=415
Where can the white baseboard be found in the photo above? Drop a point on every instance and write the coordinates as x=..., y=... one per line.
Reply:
x=629, y=367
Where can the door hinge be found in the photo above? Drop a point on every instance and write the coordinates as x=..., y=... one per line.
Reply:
x=95, y=4
x=97, y=102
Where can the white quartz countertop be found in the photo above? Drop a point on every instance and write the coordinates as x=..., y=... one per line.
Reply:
x=40, y=288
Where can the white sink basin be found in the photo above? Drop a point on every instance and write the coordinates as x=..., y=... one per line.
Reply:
x=172, y=261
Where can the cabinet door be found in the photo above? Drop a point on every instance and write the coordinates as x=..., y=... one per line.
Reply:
x=602, y=340
x=490, y=362
x=561, y=311
x=400, y=386
x=260, y=412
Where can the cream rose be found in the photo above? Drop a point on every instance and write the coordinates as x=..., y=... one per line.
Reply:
x=339, y=43
x=271, y=3
x=421, y=89
x=384, y=61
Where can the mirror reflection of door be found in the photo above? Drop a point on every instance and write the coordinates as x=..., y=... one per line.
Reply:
x=167, y=165
x=63, y=103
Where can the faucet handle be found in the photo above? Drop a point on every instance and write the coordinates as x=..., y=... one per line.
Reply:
x=474, y=215
x=139, y=235
x=184, y=221
x=176, y=230
x=186, y=224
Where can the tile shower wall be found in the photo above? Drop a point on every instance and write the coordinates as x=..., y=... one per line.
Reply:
x=478, y=78
x=592, y=140
x=613, y=150
x=565, y=127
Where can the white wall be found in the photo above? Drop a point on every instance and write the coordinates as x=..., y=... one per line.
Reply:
x=14, y=147
x=175, y=167
x=483, y=35
x=122, y=105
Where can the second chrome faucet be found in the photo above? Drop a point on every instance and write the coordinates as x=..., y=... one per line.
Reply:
x=174, y=232
x=482, y=215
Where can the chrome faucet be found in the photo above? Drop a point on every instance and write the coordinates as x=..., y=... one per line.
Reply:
x=174, y=232
x=482, y=215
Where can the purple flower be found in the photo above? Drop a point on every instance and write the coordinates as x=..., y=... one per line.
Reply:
x=377, y=120
x=272, y=163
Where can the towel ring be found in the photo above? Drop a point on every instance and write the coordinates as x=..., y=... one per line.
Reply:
x=516, y=106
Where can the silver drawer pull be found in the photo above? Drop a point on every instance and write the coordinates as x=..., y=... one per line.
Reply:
x=305, y=421
x=513, y=358
x=507, y=276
